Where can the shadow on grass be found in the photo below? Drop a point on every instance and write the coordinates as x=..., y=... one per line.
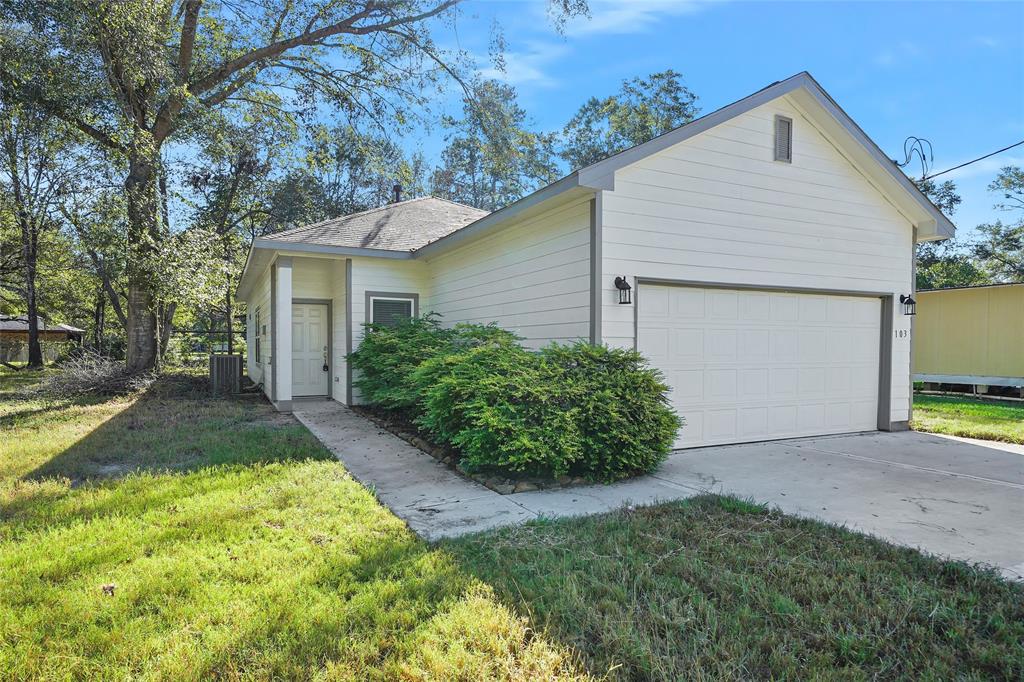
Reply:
x=219, y=539
x=176, y=425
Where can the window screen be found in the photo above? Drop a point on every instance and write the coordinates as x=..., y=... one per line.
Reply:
x=390, y=311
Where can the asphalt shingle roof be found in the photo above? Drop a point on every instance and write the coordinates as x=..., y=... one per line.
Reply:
x=9, y=323
x=403, y=226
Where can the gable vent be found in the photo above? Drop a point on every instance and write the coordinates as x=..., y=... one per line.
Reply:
x=783, y=139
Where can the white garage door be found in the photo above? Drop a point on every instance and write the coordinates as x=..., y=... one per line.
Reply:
x=749, y=365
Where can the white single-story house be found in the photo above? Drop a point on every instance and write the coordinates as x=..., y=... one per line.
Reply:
x=766, y=245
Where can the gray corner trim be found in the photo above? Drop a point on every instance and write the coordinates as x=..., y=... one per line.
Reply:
x=348, y=330
x=913, y=292
x=636, y=313
x=600, y=171
x=415, y=298
x=273, y=332
x=284, y=261
x=567, y=183
x=330, y=340
x=304, y=247
x=596, y=268
x=885, y=365
x=283, y=405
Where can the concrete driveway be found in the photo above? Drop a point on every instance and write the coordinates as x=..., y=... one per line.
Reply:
x=950, y=497
x=947, y=496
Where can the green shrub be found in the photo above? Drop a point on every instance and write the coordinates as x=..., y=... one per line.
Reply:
x=567, y=409
x=503, y=408
x=388, y=356
x=626, y=425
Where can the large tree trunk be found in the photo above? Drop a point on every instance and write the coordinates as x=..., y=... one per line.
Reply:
x=35, y=351
x=143, y=352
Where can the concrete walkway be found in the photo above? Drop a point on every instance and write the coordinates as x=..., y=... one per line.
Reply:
x=950, y=497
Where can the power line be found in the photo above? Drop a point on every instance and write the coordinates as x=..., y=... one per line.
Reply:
x=998, y=151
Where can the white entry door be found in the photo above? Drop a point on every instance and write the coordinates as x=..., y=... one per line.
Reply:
x=746, y=366
x=309, y=350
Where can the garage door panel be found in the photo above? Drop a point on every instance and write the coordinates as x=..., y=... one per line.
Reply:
x=688, y=345
x=654, y=344
x=748, y=365
x=784, y=308
x=687, y=303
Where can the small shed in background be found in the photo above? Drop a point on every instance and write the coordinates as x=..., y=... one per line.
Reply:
x=52, y=337
x=971, y=336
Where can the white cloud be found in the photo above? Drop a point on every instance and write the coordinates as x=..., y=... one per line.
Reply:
x=985, y=168
x=529, y=66
x=901, y=52
x=631, y=16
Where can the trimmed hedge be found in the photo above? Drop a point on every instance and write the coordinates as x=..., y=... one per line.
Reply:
x=564, y=410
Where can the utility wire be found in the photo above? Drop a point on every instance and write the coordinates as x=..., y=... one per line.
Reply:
x=998, y=151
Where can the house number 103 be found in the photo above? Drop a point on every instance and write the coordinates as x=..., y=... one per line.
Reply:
x=901, y=333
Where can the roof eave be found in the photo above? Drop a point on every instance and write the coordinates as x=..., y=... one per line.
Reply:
x=264, y=244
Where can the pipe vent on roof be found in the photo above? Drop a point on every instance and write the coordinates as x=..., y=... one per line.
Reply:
x=783, y=139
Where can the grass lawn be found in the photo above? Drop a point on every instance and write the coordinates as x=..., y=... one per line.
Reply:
x=232, y=546
x=717, y=588
x=236, y=547
x=956, y=416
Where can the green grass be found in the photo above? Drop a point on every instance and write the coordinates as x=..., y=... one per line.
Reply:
x=236, y=548
x=717, y=588
x=956, y=416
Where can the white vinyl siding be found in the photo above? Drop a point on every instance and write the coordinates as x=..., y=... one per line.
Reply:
x=382, y=275
x=718, y=208
x=531, y=277
x=258, y=369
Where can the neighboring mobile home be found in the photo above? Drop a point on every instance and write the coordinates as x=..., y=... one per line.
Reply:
x=970, y=335
x=766, y=245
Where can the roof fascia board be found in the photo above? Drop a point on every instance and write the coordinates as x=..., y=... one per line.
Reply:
x=302, y=247
x=941, y=226
x=566, y=184
x=242, y=290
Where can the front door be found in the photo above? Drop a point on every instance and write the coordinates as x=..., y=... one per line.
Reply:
x=309, y=350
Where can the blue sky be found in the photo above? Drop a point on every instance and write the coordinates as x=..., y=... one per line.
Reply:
x=949, y=72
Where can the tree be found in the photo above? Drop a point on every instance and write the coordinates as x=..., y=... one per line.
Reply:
x=947, y=263
x=34, y=171
x=640, y=111
x=355, y=170
x=134, y=74
x=1001, y=246
x=492, y=157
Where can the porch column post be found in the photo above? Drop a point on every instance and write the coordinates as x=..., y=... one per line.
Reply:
x=283, y=334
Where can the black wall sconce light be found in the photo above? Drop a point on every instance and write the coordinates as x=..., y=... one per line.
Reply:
x=909, y=305
x=625, y=291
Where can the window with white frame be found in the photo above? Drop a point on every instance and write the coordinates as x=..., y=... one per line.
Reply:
x=391, y=309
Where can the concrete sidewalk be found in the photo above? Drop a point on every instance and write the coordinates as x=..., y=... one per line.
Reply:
x=946, y=496
x=437, y=502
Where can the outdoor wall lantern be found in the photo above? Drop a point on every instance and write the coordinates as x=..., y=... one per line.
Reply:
x=624, y=290
x=909, y=305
